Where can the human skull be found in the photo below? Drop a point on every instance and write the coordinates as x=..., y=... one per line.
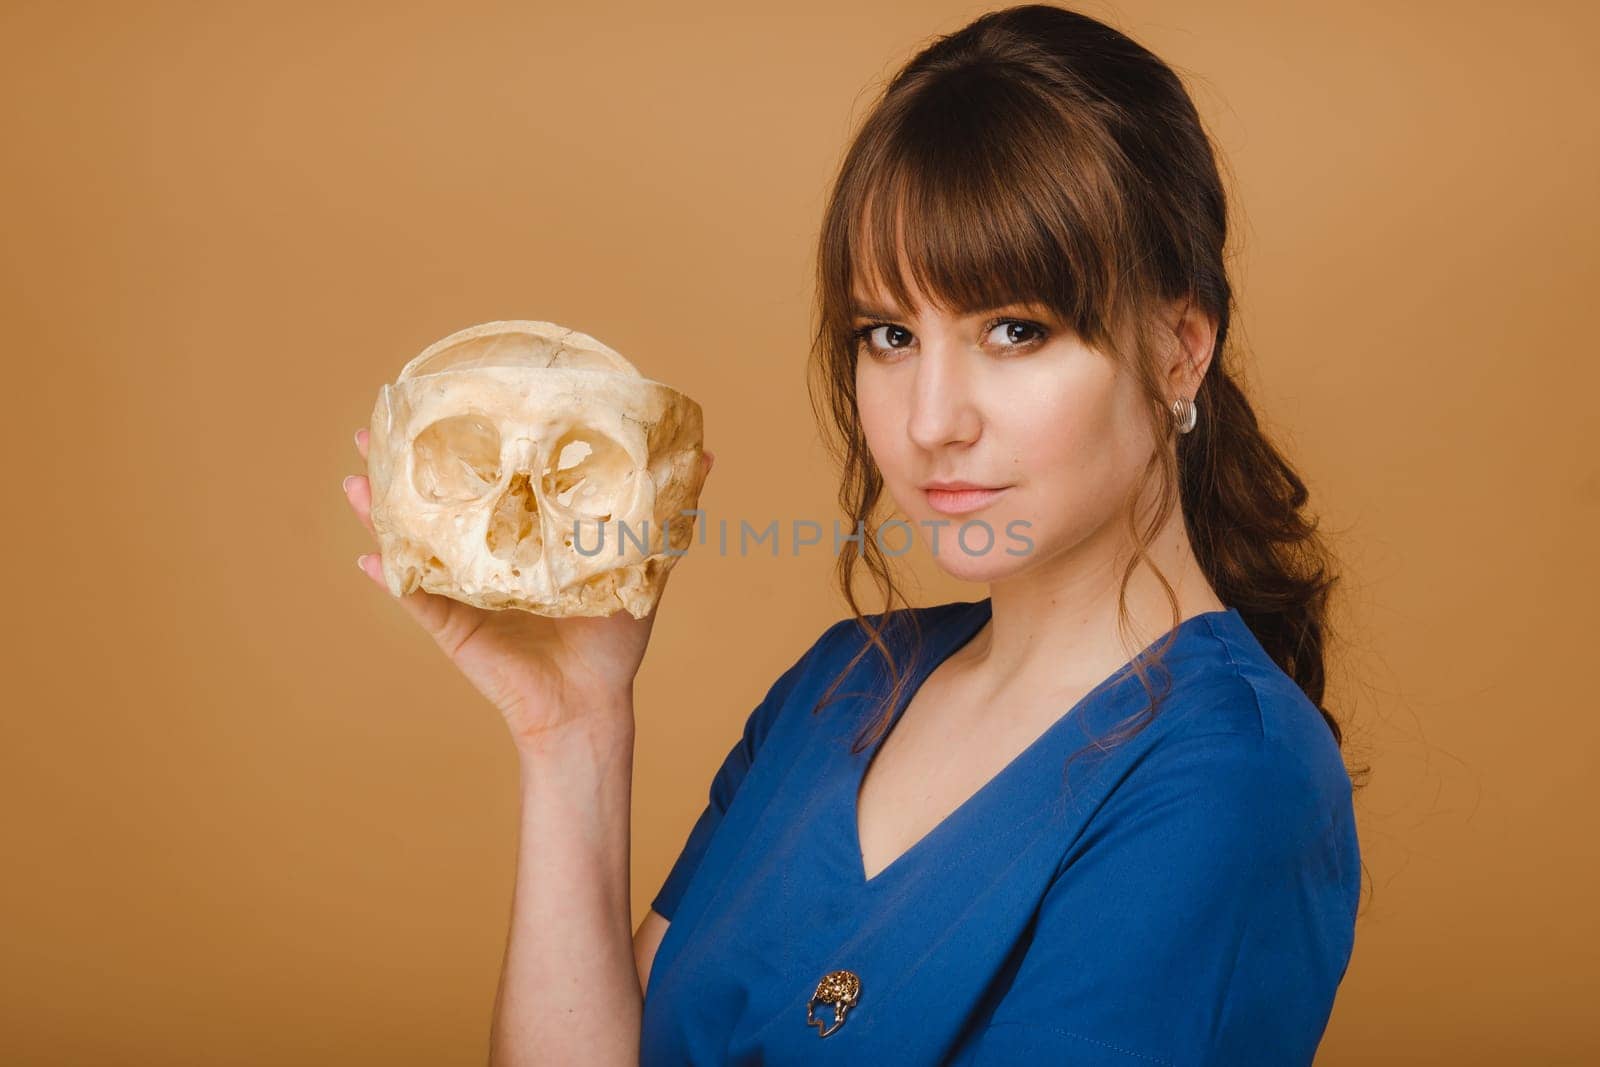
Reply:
x=500, y=444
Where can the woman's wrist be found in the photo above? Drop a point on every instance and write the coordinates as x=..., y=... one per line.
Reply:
x=599, y=732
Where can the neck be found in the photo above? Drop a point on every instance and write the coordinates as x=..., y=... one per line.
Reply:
x=1056, y=624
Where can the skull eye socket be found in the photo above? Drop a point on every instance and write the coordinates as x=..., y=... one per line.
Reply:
x=456, y=459
x=589, y=475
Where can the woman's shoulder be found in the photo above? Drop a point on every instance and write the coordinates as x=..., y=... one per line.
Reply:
x=841, y=640
x=1239, y=730
x=904, y=625
x=843, y=648
x=1245, y=692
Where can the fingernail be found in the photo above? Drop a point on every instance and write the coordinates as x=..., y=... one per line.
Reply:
x=357, y=438
x=361, y=563
x=346, y=483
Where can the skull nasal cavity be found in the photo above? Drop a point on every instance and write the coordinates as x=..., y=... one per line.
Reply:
x=514, y=526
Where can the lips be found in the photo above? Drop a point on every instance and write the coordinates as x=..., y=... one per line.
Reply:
x=959, y=498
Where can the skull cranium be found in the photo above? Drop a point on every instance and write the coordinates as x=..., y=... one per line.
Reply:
x=521, y=464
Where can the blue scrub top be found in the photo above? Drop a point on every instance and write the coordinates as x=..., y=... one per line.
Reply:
x=1189, y=900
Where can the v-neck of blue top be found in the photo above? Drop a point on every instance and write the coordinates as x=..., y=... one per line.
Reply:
x=943, y=644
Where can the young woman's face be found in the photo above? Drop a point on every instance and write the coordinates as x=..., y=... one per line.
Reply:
x=1009, y=400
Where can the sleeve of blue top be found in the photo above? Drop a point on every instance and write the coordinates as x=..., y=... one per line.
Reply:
x=1206, y=917
x=725, y=783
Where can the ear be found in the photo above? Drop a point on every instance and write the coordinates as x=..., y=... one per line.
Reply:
x=1194, y=334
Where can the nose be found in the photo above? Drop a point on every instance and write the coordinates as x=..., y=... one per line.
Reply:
x=944, y=410
x=522, y=454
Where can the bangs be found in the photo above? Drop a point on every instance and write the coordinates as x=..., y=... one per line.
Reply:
x=970, y=204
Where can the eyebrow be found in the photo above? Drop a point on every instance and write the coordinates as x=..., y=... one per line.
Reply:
x=860, y=310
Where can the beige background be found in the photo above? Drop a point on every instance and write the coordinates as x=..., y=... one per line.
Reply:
x=252, y=817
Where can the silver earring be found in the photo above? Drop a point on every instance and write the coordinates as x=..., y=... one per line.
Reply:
x=1186, y=412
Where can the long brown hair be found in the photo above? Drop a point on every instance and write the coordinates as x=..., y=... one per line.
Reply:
x=1039, y=155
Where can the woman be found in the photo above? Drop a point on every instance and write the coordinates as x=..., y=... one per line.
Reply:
x=983, y=832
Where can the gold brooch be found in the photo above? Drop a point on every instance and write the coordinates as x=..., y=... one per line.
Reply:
x=839, y=988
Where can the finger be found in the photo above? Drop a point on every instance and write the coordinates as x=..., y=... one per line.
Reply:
x=358, y=491
x=361, y=441
x=371, y=564
x=708, y=458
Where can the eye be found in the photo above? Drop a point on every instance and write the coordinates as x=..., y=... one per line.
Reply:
x=862, y=338
x=1008, y=339
x=456, y=459
x=1032, y=335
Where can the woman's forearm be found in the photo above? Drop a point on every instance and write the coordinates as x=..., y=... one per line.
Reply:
x=569, y=988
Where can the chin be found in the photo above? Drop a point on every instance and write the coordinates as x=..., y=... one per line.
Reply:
x=981, y=569
x=978, y=559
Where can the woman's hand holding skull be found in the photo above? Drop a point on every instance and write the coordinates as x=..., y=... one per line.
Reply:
x=544, y=674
